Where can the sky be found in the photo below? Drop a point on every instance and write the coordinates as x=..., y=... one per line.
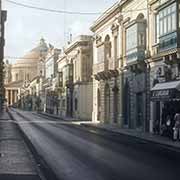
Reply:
x=24, y=27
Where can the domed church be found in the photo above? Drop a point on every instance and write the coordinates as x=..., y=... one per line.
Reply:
x=24, y=70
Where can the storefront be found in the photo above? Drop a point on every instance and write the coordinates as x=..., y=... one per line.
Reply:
x=165, y=98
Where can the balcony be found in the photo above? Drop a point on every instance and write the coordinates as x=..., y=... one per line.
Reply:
x=105, y=70
x=113, y=64
x=135, y=56
x=168, y=42
x=100, y=67
x=167, y=45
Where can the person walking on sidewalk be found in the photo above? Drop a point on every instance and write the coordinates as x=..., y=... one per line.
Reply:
x=177, y=126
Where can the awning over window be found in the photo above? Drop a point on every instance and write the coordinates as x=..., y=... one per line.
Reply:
x=166, y=91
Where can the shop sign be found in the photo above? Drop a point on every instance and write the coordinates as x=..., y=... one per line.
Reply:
x=160, y=93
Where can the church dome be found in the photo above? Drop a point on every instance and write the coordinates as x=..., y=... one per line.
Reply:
x=32, y=57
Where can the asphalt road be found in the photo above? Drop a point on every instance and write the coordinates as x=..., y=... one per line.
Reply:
x=75, y=153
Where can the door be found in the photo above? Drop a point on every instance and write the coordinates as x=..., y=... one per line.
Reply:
x=139, y=111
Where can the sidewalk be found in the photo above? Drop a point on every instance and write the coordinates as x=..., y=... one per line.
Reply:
x=59, y=117
x=16, y=161
x=148, y=137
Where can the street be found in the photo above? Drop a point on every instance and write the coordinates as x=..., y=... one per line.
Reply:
x=75, y=153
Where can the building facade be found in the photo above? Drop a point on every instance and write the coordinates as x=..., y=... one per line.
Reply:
x=23, y=72
x=3, y=16
x=50, y=82
x=106, y=64
x=75, y=71
x=136, y=63
x=164, y=64
x=120, y=86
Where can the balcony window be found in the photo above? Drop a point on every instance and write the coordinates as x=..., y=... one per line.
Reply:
x=136, y=40
x=166, y=20
x=131, y=37
x=68, y=73
x=166, y=26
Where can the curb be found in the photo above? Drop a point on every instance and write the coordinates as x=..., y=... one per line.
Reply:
x=141, y=140
x=43, y=169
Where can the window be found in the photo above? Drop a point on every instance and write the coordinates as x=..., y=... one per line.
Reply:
x=136, y=40
x=166, y=20
x=131, y=37
x=76, y=104
x=141, y=39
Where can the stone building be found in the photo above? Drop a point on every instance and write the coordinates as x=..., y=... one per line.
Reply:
x=135, y=88
x=63, y=63
x=24, y=71
x=120, y=85
x=164, y=29
x=50, y=82
x=75, y=71
x=3, y=15
x=106, y=64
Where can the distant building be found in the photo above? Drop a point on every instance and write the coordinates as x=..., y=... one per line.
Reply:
x=23, y=72
x=75, y=79
x=50, y=81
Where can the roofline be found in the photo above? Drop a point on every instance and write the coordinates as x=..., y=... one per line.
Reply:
x=108, y=14
x=77, y=41
x=61, y=58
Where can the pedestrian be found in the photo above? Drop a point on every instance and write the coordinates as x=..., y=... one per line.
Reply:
x=176, y=126
x=168, y=126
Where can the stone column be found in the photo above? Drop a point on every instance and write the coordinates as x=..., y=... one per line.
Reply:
x=15, y=96
x=11, y=100
x=12, y=96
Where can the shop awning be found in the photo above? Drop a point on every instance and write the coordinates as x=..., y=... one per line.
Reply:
x=166, y=91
